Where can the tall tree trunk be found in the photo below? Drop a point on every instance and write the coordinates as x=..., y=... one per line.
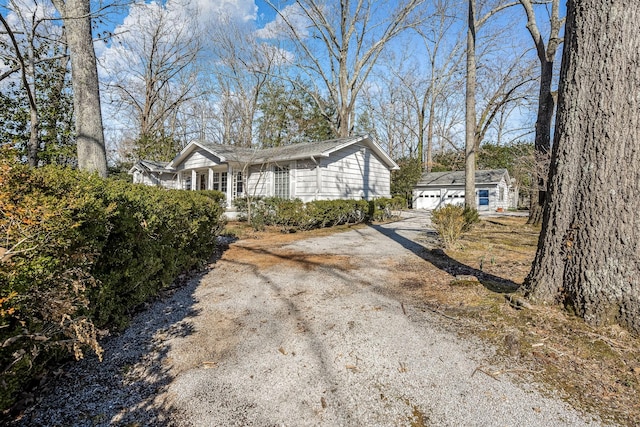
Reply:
x=546, y=106
x=470, y=118
x=589, y=250
x=420, y=126
x=432, y=108
x=546, y=103
x=84, y=79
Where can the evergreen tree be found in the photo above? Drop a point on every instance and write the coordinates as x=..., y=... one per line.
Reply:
x=289, y=115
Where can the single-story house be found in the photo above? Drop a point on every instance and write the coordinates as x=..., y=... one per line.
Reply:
x=495, y=190
x=344, y=168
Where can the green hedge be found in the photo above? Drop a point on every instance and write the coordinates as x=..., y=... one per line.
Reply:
x=294, y=215
x=79, y=253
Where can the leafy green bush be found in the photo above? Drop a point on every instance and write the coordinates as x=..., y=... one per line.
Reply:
x=79, y=253
x=293, y=215
x=382, y=209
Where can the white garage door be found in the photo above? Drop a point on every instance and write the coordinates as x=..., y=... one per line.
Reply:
x=426, y=199
x=455, y=197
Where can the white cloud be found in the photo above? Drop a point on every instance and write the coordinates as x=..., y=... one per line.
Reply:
x=242, y=10
x=291, y=16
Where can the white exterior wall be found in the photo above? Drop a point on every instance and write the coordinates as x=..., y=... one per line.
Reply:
x=199, y=159
x=167, y=180
x=354, y=173
x=259, y=181
x=308, y=182
x=504, y=203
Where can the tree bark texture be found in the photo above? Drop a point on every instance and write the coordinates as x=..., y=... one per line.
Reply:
x=470, y=117
x=588, y=255
x=84, y=79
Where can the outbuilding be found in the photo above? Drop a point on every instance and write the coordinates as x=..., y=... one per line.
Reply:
x=495, y=190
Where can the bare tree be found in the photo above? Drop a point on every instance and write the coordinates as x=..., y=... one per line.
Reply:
x=242, y=67
x=388, y=104
x=546, y=102
x=441, y=71
x=340, y=44
x=76, y=15
x=503, y=85
x=156, y=73
x=589, y=248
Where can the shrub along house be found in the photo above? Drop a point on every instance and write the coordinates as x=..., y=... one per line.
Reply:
x=345, y=168
x=495, y=190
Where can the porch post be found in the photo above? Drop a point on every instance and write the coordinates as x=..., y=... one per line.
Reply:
x=229, y=185
x=210, y=180
x=194, y=178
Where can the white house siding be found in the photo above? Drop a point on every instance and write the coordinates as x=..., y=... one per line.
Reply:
x=504, y=203
x=258, y=181
x=199, y=159
x=354, y=173
x=308, y=179
x=167, y=180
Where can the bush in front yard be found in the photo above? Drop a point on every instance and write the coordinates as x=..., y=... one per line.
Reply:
x=451, y=220
x=293, y=215
x=79, y=253
x=382, y=209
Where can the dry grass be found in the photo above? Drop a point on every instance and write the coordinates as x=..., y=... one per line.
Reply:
x=264, y=249
x=597, y=369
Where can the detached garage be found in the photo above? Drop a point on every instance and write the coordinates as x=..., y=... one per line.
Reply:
x=494, y=190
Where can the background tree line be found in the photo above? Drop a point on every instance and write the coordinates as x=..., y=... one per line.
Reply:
x=318, y=70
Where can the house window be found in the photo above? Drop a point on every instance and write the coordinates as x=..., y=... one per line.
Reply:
x=237, y=185
x=220, y=181
x=281, y=182
x=483, y=197
x=203, y=181
x=187, y=183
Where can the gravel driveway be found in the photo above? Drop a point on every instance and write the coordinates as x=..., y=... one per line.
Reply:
x=305, y=334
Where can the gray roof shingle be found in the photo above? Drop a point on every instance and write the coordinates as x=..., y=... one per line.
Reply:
x=453, y=178
x=274, y=154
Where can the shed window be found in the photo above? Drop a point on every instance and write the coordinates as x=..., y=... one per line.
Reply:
x=501, y=194
x=483, y=197
x=281, y=182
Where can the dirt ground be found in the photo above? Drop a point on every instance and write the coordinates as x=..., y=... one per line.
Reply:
x=357, y=327
x=366, y=325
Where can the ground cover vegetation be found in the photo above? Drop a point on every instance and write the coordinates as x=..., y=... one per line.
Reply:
x=79, y=254
x=596, y=368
